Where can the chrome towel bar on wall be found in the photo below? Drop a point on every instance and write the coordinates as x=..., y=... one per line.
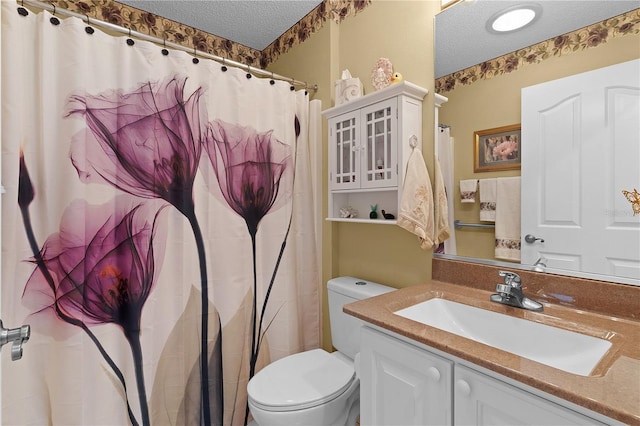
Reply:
x=457, y=224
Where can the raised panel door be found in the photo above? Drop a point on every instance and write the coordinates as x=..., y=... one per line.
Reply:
x=484, y=401
x=402, y=384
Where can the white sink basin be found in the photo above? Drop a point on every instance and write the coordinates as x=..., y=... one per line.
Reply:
x=566, y=350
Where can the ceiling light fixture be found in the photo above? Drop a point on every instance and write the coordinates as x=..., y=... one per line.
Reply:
x=513, y=18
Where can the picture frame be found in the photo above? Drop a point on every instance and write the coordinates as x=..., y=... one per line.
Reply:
x=497, y=149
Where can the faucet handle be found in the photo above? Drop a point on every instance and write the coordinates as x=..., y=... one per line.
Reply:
x=511, y=278
x=503, y=289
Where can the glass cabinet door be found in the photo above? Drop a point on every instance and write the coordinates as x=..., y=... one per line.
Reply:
x=345, y=152
x=380, y=158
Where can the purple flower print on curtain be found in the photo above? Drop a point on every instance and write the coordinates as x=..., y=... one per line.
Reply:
x=103, y=265
x=250, y=167
x=26, y=194
x=255, y=175
x=148, y=143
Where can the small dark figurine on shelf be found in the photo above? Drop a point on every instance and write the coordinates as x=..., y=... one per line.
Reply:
x=374, y=212
x=387, y=215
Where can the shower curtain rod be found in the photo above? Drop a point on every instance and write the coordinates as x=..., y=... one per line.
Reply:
x=164, y=43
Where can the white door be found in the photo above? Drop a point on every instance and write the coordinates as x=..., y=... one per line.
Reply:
x=344, y=151
x=581, y=165
x=481, y=400
x=401, y=384
x=379, y=145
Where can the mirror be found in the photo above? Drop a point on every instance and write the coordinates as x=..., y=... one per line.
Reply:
x=492, y=100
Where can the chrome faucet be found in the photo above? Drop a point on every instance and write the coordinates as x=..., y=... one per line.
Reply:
x=510, y=293
x=16, y=335
x=540, y=264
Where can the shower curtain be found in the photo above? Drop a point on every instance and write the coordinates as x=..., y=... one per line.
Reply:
x=158, y=228
x=444, y=153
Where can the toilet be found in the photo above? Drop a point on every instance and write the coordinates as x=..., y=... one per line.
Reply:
x=317, y=387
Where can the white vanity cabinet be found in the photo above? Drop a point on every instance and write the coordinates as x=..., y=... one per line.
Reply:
x=483, y=400
x=406, y=384
x=401, y=384
x=370, y=140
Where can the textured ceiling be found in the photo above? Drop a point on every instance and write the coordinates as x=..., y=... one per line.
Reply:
x=463, y=41
x=253, y=23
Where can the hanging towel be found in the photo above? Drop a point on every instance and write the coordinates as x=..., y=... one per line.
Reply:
x=468, y=189
x=488, y=200
x=441, y=219
x=508, y=219
x=416, y=205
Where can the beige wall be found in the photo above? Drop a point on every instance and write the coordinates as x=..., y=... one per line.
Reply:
x=487, y=104
x=403, y=32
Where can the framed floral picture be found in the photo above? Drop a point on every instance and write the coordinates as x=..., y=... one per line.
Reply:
x=497, y=149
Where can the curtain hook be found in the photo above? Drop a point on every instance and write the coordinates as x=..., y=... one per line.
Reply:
x=21, y=10
x=88, y=28
x=249, y=71
x=224, y=67
x=54, y=20
x=195, y=59
x=306, y=88
x=165, y=52
x=292, y=88
x=130, y=41
x=272, y=81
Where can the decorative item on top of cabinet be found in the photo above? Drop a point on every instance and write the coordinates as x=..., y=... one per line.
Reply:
x=369, y=146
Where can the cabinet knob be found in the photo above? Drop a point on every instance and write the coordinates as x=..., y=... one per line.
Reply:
x=433, y=374
x=463, y=387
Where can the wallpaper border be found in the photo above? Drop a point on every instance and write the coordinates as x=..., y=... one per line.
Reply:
x=157, y=26
x=584, y=38
x=337, y=10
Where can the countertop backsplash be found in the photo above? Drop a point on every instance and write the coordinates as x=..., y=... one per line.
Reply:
x=619, y=300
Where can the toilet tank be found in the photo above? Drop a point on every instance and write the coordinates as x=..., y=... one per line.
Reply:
x=345, y=329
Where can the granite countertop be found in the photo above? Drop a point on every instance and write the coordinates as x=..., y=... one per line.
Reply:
x=612, y=389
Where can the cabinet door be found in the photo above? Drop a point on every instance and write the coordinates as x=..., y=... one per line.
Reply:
x=379, y=159
x=401, y=384
x=483, y=400
x=344, y=151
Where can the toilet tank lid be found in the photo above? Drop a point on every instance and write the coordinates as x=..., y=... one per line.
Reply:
x=357, y=288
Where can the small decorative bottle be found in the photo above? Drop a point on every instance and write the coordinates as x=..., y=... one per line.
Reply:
x=374, y=212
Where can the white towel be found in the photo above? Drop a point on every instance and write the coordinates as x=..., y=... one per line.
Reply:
x=488, y=200
x=508, y=219
x=468, y=189
x=416, y=205
x=441, y=220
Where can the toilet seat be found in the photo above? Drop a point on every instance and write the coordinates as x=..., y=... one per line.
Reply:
x=300, y=381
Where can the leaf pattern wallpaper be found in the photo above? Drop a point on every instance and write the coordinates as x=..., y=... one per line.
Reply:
x=132, y=187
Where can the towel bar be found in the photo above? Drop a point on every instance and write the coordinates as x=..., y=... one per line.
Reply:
x=457, y=224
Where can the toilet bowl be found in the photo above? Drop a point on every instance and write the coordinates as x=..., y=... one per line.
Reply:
x=308, y=388
x=317, y=387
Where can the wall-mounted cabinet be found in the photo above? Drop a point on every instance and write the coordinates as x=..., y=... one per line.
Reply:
x=370, y=140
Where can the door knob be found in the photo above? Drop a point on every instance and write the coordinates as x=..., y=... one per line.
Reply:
x=463, y=387
x=434, y=374
x=532, y=239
